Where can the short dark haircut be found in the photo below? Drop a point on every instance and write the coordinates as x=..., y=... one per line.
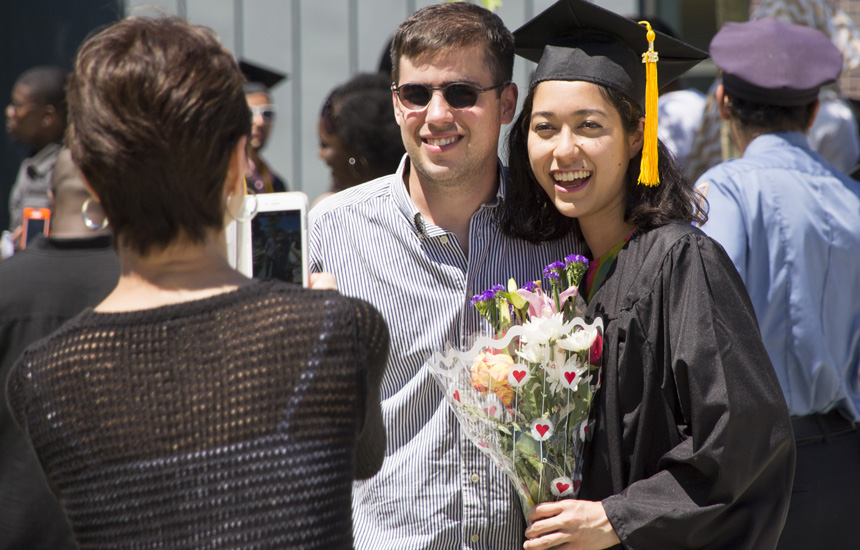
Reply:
x=361, y=114
x=47, y=86
x=528, y=212
x=451, y=26
x=771, y=118
x=156, y=107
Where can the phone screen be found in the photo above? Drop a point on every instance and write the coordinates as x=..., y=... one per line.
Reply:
x=34, y=227
x=276, y=243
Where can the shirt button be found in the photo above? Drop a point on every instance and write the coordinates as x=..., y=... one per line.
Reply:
x=443, y=239
x=475, y=537
x=475, y=478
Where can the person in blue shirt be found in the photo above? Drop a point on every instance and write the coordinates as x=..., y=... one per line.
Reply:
x=791, y=224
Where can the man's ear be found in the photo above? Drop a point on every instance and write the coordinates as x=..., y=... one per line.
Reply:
x=723, y=102
x=50, y=117
x=814, y=113
x=508, y=101
x=398, y=110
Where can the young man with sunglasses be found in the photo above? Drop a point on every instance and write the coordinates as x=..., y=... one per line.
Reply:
x=418, y=244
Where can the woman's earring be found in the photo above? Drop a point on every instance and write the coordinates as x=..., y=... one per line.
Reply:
x=88, y=221
x=353, y=168
x=249, y=204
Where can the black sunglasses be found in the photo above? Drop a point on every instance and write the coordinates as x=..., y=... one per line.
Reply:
x=459, y=95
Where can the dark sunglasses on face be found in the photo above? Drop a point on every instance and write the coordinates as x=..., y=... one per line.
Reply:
x=459, y=95
x=268, y=112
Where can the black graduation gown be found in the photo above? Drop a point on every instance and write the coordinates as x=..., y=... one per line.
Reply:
x=693, y=445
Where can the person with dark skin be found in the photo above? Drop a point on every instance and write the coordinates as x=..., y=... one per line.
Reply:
x=359, y=137
x=36, y=117
x=43, y=286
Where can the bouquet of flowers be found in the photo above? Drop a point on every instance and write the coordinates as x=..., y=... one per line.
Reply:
x=524, y=397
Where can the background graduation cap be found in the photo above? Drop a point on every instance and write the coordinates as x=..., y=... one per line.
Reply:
x=259, y=78
x=577, y=40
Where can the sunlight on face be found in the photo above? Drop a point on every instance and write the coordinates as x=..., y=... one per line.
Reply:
x=579, y=150
x=448, y=146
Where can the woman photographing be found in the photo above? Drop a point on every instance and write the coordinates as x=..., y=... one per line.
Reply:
x=193, y=407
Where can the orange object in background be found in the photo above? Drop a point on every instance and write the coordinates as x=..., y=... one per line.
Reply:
x=36, y=221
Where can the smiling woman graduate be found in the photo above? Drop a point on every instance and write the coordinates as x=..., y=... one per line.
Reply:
x=692, y=446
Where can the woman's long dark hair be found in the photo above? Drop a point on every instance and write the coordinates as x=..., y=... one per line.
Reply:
x=528, y=212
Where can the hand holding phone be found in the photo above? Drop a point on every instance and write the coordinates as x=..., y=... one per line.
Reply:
x=273, y=245
x=36, y=221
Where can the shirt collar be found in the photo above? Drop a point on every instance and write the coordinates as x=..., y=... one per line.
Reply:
x=407, y=207
x=775, y=139
x=43, y=161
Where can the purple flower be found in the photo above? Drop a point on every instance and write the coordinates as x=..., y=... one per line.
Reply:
x=496, y=289
x=552, y=268
x=483, y=297
x=573, y=258
x=553, y=275
x=530, y=286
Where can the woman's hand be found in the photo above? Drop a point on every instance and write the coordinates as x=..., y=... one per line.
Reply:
x=322, y=281
x=569, y=525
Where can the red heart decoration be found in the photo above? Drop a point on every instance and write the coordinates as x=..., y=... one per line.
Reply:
x=492, y=410
x=576, y=484
x=519, y=375
x=569, y=376
x=541, y=429
x=562, y=487
x=457, y=395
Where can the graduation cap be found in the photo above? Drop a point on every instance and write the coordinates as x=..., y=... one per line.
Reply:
x=259, y=76
x=576, y=40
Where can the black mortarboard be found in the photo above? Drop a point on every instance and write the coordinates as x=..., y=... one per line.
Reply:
x=256, y=74
x=773, y=62
x=577, y=40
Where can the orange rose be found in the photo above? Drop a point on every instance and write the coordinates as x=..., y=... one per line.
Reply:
x=491, y=371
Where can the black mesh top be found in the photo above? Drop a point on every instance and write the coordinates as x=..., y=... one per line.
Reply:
x=236, y=421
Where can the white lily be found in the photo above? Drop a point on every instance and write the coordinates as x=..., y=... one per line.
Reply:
x=581, y=340
x=546, y=330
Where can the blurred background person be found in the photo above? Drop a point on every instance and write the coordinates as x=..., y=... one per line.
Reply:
x=359, y=136
x=42, y=287
x=193, y=407
x=790, y=222
x=384, y=66
x=36, y=117
x=834, y=131
x=261, y=178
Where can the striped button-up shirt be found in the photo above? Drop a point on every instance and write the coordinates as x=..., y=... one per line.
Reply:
x=436, y=490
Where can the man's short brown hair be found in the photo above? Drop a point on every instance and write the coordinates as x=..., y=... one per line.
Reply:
x=448, y=27
x=155, y=108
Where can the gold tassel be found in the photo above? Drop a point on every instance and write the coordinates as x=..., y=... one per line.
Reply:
x=648, y=172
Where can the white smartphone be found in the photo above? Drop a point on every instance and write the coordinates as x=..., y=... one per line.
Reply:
x=274, y=244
